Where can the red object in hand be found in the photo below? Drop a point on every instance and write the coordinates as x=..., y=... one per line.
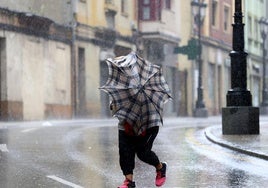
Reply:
x=129, y=130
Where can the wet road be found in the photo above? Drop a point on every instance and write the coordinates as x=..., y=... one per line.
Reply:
x=85, y=154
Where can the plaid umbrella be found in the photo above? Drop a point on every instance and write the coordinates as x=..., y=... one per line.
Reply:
x=138, y=90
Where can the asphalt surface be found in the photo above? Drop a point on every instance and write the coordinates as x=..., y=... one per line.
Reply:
x=84, y=153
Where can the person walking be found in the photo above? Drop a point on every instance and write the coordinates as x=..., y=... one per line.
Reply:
x=138, y=91
x=141, y=145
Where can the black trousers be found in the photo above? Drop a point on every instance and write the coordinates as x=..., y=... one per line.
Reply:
x=140, y=145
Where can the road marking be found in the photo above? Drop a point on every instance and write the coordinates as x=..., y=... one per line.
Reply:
x=3, y=148
x=47, y=124
x=29, y=130
x=64, y=181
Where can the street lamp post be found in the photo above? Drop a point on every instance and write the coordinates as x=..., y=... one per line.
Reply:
x=264, y=30
x=199, y=11
x=239, y=117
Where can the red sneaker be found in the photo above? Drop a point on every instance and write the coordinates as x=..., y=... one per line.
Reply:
x=128, y=184
x=161, y=175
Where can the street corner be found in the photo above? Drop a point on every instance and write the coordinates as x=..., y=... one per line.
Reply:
x=252, y=145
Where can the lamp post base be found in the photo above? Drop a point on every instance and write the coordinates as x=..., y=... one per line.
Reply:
x=238, y=120
x=201, y=112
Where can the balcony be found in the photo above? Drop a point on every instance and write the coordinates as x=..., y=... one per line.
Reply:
x=166, y=28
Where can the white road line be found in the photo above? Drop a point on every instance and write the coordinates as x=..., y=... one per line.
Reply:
x=3, y=148
x=47, y=124
x=29, y=130
x=64, y=181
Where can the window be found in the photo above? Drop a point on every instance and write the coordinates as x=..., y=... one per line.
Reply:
x=250, y=26
x=124, y=7
x=146, y=2
x=256, y=26
x=146, y=10
x=214, y=12
x=110, y=19
x=146, y=13
x=150, y=9
x=211, y=81
x=226, y=18
x=167, y=4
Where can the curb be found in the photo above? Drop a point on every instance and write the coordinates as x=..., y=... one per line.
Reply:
x=209, y=135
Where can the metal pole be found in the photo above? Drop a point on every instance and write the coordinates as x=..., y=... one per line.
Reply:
x=238, y=95
x=264, y=89
x=199, y=102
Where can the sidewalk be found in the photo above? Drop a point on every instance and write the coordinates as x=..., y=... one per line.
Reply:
x=253, y=145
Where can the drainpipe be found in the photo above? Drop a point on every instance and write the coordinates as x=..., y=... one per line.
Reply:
x=73, y=59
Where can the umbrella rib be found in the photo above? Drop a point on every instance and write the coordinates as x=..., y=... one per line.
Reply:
x=156, y=108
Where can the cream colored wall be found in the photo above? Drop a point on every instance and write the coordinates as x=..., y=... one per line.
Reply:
x=206, y=27
x=209, y=57
x=93, y=79
x=38, y=73
x=14, y=50
x=91, y=13
x=185, y=64
x=124, y=21
x=32, y=79
x=57, y=73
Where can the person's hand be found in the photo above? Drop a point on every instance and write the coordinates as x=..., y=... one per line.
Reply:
x=113, y=107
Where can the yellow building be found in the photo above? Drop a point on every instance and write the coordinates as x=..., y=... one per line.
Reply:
x=186, y=66
x=103, y=29
x=159, y=29
x=110, y=28
x=82, y=34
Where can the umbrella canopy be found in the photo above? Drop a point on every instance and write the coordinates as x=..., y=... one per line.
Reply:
x=138, y=90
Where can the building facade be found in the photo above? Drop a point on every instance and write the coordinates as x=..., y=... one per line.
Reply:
x=159, y=31
x=216, y=41
x=253, y=46
x=217, y=44
x=186, y=66
x=53, y=53
x=35, y=69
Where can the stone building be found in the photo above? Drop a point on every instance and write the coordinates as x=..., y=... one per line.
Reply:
x=159, y=31
x=253, y=46
x=35, y=68
x=217, y=44
x=53, y=53
x=216, y=41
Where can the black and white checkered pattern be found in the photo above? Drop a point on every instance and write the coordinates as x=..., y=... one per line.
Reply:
x=139, y=91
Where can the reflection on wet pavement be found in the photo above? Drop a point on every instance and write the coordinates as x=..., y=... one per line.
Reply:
x=87, y=156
